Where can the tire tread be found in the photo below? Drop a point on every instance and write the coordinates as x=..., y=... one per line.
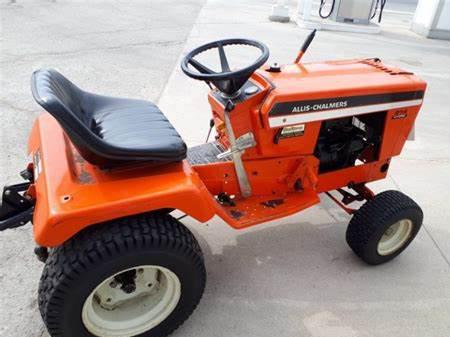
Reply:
x=373, y=214
x=100, y=242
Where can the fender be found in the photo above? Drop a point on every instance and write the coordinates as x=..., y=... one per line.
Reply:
x=72, y=194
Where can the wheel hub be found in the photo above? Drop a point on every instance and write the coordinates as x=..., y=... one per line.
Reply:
x=132, y=301
x=395, y=237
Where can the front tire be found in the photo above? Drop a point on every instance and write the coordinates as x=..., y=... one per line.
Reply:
x=137, y=276
x=383, y=227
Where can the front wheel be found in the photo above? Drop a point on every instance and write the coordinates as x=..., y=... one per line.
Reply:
x=383, y=227
x=137, y=276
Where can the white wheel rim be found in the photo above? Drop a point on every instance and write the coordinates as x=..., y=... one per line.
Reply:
x=395, y=237
x=110, y=311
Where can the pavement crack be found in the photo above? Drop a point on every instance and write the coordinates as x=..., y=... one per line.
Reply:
x=15, y=107
x=162, y=43
x=397, y=186
x=436, y=245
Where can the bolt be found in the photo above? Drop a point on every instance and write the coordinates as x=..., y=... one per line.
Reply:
x=113, y=284
x=7, y=192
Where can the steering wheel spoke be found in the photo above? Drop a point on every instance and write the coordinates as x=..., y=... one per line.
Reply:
x=200, y=67
x=223, y=59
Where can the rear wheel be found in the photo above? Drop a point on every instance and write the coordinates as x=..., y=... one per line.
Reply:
x=384, y=226
x=138, y=276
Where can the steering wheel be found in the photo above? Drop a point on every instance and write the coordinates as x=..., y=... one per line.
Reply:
x=227, y=81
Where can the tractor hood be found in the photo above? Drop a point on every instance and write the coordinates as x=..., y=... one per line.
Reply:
x=319, y=91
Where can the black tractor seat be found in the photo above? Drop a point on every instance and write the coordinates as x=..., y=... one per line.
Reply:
x=108, y=131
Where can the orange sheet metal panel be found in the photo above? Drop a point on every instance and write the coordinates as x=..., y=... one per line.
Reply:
x=72, y=194
x=333, y=80
x=351, y=175
x=318, y=81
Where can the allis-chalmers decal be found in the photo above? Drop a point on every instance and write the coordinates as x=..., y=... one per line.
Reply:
x=297, y=112
x=319, y=107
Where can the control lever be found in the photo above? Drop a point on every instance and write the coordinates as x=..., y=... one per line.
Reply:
x=244, y=142
x=236, y=149
x=305, y=46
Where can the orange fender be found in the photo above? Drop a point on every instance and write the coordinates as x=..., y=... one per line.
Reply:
x=72, y=194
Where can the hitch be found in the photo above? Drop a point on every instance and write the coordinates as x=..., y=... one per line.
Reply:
x=16, y=209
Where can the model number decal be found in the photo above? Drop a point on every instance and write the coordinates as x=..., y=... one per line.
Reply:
x=402, y=113
x=293, y=131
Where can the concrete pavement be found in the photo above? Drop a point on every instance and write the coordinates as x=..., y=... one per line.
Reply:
x=118, y=48
x=297, y=276
x=291, y=277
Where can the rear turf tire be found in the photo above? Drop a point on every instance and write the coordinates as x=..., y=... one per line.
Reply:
x=383, y=227
x=77, y=268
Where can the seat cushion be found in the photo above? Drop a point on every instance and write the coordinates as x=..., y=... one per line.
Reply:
x=135, y=124
x=106, y=130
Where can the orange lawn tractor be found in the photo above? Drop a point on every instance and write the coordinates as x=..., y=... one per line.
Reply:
x=107, y=173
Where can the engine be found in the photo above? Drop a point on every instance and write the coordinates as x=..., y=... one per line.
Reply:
x=343, y=141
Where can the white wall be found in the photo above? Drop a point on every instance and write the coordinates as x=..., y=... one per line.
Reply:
x=425, y=12
x=444, y=18
x=432, y=19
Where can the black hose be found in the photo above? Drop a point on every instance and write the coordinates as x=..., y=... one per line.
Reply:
x=374, y=10
x=322, y=5
x=378, y=5
x=383, y=3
